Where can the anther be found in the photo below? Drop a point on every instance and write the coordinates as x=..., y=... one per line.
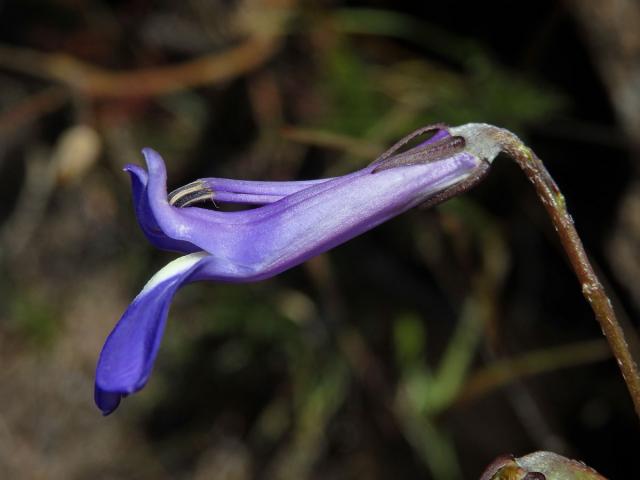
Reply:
x=189, y=194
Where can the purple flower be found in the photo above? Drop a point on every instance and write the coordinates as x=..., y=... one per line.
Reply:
x=297, y=220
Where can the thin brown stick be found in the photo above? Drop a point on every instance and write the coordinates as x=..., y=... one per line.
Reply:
x=32, y=108
x=592, y=289
x=503, y=372
x=98, y=82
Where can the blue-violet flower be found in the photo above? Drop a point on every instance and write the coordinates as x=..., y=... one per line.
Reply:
x=294, y=222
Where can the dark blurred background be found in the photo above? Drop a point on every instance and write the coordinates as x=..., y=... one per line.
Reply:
x=423, y=349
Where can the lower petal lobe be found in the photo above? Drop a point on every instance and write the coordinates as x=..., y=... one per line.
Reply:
x=128, y=355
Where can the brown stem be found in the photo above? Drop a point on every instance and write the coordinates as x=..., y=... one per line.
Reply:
x=592, y=289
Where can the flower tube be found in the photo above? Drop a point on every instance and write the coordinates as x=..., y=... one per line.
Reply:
x=297, y=220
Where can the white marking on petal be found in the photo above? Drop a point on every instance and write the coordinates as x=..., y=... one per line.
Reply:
x=172, y=269
x=482, y=139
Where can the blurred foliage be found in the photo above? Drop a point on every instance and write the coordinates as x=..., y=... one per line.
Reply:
x=32, y=318
x=427, y=91
x=407, y=353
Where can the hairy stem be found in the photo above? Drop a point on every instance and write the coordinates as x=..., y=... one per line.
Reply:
x=592, y=289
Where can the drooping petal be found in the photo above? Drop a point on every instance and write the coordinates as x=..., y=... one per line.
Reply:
x=127, y=357
x=256, y=244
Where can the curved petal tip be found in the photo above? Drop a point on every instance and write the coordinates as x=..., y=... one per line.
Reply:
x=155, y=163
x=107, y=402
x=136, y=170
x=128, y=355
